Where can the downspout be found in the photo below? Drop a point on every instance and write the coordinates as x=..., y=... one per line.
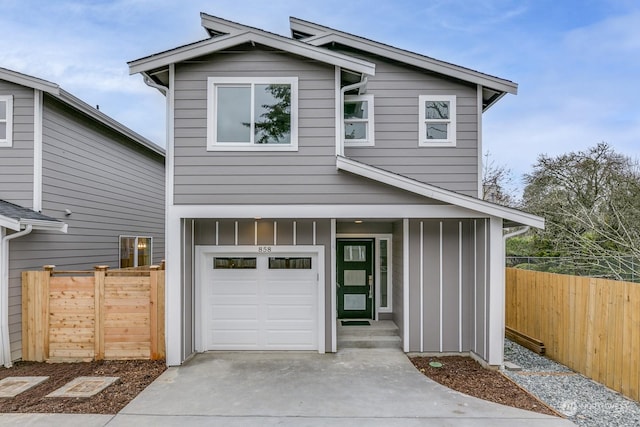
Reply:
x=149, y=82
x=361, y=83
x=515, y=233
x=4, y=293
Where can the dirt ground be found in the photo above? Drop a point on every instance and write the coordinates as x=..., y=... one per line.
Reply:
x=469, y=377
x=459, y=373
x=134, y=375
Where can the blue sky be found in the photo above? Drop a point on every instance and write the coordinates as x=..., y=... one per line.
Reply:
x=577, y=62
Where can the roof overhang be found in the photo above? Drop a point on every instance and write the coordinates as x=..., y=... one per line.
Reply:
x=512, y=217
x=322, y=36
x=274, y=41
x=29, y=81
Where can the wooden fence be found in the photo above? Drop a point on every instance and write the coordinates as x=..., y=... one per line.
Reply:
x=92, y=315
x=591, y=325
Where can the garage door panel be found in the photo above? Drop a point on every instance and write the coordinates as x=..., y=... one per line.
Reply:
x=261, y=308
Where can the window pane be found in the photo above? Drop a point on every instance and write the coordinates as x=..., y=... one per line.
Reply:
x=127, y=252
x=3, y=110
x=233, y=114
x=3, y=130
x=355, y=130
x=356, y=110
x=355, y=253
x=234, y=263
x=436, y=110
x=144, y=251
x=290, y=263
x=272, y=114
x=384, y=281
x=437, y=130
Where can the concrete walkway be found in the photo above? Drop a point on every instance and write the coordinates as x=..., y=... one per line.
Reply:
x=352, y=387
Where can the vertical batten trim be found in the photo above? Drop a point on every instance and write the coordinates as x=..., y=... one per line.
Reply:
x=192, y=282
x=479, y=119
x=475, y=285
x=217, y=233
x=405, y=283
x=255, y=233
x=338, y=107
x=236, y=232
x=334, y=312
x=460, y=286
x=441, y=286
x=421, y=286
x=314, y=233
x=37, y=150
x=275, y=233
x=295, y=231
x=484, y=308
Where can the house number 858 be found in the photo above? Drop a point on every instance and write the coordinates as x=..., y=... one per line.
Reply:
x=264, y=249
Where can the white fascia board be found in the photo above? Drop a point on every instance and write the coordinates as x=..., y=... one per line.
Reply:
x=439, y=194
x=29, y=81
x=214, y=23
x=307, y=27
x=416, y=60
x=216, y=44
x=10, y=223
x=97, y=115
x=323, y=211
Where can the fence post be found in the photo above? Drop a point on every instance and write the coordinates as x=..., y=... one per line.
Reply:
x=153, y=311
x=99, y=274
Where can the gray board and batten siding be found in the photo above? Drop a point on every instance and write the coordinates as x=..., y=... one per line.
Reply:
x=309, y=176
x=112, y=185
x=16, y=162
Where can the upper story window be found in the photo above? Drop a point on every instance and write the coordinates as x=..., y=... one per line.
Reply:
x=437, y=121
x=252, y=114
x=358, y=120
x=6, y=120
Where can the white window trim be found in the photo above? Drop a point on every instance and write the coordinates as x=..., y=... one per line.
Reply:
x=135, y=246
x=422, y=130
x=213, y=145
x=8, y=141
x=370, y=140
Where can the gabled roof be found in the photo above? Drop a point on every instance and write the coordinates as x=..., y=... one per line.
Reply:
x=512, y=216
x=226, y=34
x=57, y=92
x=319, y=35
x=16, y=217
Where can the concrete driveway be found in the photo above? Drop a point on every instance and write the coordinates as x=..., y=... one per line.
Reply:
x=352, y=387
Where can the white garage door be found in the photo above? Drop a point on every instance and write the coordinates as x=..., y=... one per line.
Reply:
x=261, y=302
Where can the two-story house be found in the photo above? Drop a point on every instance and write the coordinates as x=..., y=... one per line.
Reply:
x=325, y=177
x=77, y=189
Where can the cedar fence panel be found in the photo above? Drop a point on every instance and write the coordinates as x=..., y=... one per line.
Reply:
x=94, y=315
x=591, y=325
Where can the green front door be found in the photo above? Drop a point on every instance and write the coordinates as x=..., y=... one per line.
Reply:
x=355, y=278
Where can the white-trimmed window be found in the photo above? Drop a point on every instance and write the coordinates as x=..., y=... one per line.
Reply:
x=252, y=113
x=135, y=251
x=437, y=120
x=358, y=120
x=6, y=120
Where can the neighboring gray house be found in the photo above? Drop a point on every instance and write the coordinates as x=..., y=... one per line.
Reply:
x=321, y=177
x=77, y=189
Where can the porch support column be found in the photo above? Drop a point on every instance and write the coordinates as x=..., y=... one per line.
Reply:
x=495, y=309
x=173, y=290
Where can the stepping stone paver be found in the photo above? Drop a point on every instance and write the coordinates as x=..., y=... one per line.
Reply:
x=13, y=386
x=84, y=387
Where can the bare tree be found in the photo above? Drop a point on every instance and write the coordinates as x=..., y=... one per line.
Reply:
x=497, y=183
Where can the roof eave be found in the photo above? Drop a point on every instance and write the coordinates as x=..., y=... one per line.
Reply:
x=440, y=194
x=224, y=42
x=29, y=81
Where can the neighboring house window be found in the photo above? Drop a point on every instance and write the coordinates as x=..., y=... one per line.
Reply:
x=437, y=121
x=135, y=251
x=248, y=114
x=6, y=120
x=358, y=120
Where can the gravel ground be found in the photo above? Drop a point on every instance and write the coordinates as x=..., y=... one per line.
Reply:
x=584, y=401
